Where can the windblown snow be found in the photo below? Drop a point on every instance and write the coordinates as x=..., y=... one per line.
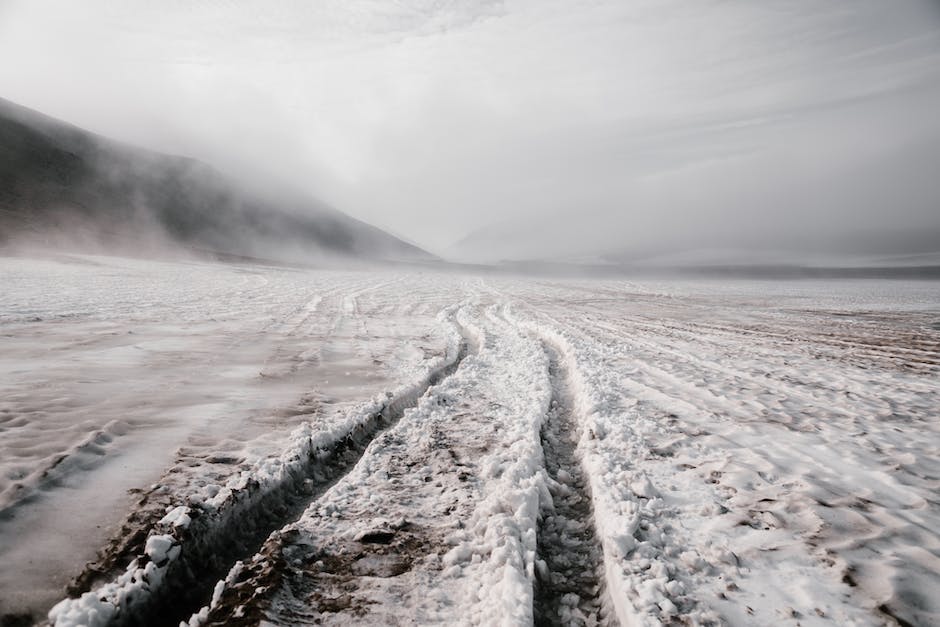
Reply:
x=234, y=444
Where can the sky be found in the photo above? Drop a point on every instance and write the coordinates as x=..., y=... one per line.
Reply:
x=522, y=128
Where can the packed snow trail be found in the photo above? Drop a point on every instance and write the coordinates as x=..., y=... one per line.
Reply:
x=437, y=522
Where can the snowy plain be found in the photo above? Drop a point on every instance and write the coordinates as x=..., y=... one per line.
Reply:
x=231, y=444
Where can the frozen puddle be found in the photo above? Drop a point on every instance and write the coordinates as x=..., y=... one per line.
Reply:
x=42, y=542
x=96, y=494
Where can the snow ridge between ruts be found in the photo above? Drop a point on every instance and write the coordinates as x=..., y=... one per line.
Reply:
x=644, y=585
x=192, y=526
x=494, y=555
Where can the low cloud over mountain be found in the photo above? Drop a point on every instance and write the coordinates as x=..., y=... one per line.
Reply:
x=59, y=182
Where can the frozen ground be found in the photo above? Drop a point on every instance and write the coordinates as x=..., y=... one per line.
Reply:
x=400, y=448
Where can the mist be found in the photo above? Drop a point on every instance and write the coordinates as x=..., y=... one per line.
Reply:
x=527, y=130
x=516, y=312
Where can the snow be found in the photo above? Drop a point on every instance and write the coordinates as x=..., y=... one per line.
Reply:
x=162, y=549
x=177, y=517
x=115, y=372
x=739, y=452
x=762, y=422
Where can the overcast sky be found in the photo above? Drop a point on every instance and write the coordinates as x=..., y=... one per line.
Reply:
x=576, y=126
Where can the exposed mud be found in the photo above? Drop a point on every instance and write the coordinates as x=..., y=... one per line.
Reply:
x=569, y=590
x=319, y=576
x=126, y=544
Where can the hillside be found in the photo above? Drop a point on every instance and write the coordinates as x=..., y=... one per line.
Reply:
x=58, y=178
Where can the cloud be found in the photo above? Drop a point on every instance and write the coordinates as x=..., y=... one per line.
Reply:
x=437, y=118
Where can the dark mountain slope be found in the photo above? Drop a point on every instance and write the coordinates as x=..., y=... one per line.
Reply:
x=57, y=177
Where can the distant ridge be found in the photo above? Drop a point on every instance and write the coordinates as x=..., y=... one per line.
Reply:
x=58, y=178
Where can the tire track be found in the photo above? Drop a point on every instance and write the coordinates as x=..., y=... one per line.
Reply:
x=569, y=586
x=214, y=540
x=312, y=571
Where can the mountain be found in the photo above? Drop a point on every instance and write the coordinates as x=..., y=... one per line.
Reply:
x=58, y=178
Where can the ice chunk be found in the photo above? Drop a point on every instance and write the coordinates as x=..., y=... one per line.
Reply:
x=178, y=517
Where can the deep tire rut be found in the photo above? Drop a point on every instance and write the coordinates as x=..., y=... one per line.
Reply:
x=214, y=543
x=569, y=588
x=241, y=605
x=322, y=473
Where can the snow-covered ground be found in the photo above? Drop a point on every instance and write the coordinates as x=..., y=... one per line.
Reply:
x=244, y=443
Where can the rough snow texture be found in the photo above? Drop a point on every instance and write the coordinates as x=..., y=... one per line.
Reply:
x=437, y=522
x=247, y=495
x=758, y=463
x=748, y=453
x=171, y=379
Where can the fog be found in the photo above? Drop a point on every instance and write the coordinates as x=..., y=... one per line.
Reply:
x=527, y=129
